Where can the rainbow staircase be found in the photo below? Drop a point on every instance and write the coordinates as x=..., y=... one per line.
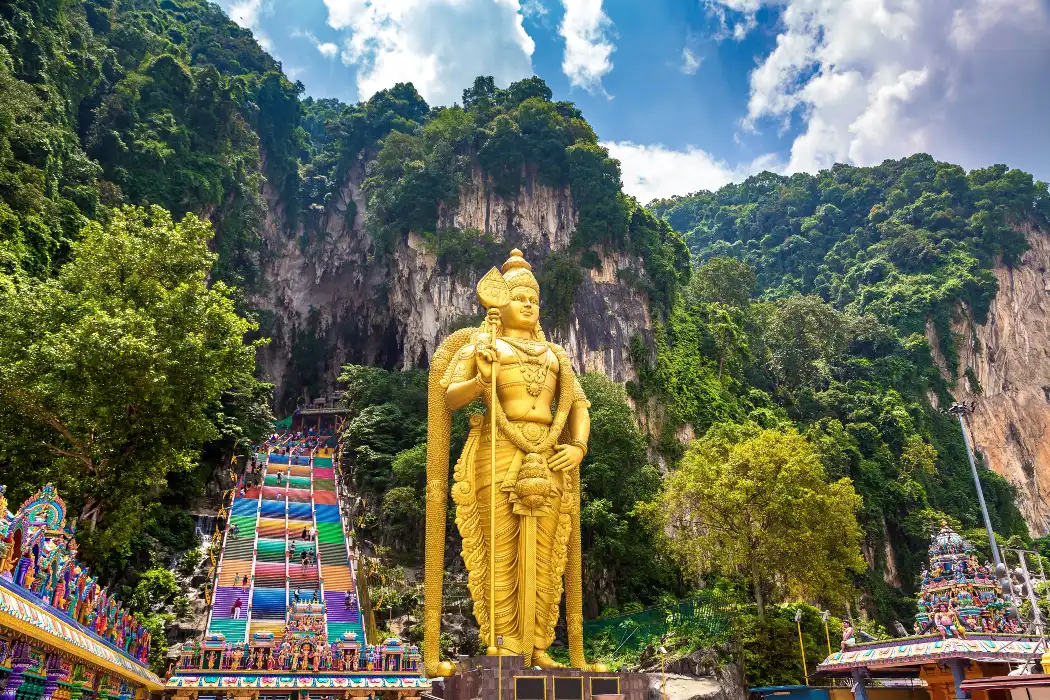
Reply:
x=265, y=542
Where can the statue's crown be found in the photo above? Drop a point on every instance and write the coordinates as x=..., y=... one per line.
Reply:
x=518, y=272
x=516, y=261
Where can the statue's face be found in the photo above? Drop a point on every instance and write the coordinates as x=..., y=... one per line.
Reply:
x=523, y=311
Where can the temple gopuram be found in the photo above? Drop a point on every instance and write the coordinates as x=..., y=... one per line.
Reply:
x=62, y=636
x=963, y=630
x=288, y=617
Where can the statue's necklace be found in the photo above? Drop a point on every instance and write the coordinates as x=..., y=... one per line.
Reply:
x=533, y=369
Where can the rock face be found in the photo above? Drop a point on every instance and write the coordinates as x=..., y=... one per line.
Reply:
x=329, y=301
x=690, y=688
x=1010, y=356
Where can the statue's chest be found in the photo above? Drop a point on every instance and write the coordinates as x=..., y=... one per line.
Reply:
x=530, y=368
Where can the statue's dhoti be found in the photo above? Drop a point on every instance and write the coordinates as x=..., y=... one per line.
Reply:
x=531, y=543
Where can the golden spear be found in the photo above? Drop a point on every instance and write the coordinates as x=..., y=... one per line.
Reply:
x=493, y=293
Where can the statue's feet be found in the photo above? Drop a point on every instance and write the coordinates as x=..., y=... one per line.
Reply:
x=543, y=660
x=500, y=651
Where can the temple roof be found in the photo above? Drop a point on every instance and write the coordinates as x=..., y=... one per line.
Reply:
x=22, y=615
x=961, y=614
x=914, y=651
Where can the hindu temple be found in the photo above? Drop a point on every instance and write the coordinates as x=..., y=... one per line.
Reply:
x=62, y=635
x=963, y=630
x=289, y=612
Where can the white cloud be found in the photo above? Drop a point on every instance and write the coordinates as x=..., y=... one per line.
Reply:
x=246, y=13
x=653, y=171
x=326, y=48
x=264, y=40
x=438, y=45
x=534, y=9
x=587, y=31
x=735, y=17
x=875, y=79
x=690, y=61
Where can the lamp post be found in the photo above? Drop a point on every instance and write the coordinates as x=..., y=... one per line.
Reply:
x=824, y=615
x=960, y=411
x=801, y=647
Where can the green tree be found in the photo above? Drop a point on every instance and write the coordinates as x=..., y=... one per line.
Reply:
x=155, y=590
x=724, y=281
x=617, y=481
x=110, y=372
x=756, y=501
x=804, y=336
x=405, y=507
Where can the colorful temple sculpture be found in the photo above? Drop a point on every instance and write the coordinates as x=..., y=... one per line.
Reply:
x=287, y=614
x=963, y=630
x=62, y=635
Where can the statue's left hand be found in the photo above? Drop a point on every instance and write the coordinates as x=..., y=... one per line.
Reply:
x=565, y=457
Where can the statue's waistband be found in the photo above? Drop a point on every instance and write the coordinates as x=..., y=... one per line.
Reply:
x=531, y=430
x=523, y=421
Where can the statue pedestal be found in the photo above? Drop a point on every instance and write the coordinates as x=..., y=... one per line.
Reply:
x=506, y=678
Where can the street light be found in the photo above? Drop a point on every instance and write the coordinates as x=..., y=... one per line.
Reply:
x=824, y=615
x=798, y=623
x=960, y=411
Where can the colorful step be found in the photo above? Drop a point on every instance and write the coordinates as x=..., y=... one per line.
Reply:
x=233, y=630
x=268, y=603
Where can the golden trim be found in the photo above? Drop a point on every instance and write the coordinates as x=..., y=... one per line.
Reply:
x=22, y=627
x=517, y=678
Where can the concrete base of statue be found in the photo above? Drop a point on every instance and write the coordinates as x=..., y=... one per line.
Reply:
x=507, y=678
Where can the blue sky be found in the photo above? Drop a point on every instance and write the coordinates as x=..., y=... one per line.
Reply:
x=691, y=94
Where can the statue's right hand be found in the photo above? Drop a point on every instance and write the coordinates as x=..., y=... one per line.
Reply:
x=486, y=359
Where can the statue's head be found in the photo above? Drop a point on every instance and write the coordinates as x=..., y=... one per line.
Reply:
x=523, y=311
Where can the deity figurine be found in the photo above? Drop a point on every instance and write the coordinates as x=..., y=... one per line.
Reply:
x=537, y=454
x=947, y=623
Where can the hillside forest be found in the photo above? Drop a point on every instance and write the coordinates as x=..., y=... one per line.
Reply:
x=791, y=324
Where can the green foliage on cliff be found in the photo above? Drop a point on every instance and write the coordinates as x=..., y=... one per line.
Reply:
x=164, y=103
x=809, y=309
x=417, y=160
x=851, y=384
x=906, y=241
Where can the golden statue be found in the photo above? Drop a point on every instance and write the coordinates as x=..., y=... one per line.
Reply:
x=534, y=463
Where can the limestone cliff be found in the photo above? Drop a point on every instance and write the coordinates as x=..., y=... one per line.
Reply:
x=330, y=301
x=1009, y=355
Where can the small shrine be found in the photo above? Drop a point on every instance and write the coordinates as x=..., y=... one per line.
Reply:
x=301, y=657
x=963, y=629
x=957, y=594
x=62, y=635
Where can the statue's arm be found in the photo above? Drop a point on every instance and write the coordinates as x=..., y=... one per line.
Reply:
x=579, y=422
x=579, y=415
x=464, y=386
x=578, y=426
